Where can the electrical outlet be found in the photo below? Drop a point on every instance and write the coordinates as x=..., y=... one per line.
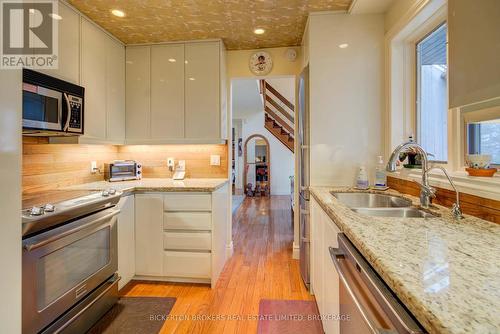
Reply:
x=181, y=165
x=93, y=167
x=171, y=164
x=215, y=160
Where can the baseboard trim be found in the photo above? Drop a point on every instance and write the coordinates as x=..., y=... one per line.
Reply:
x=296, y=251
x=171, y=279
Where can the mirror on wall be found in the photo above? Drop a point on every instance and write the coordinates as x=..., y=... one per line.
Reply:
x=257, y=178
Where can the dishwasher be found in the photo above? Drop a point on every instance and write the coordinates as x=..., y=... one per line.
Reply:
x=366, y=302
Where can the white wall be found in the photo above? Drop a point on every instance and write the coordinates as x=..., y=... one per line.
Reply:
x=281, y=158
x=10, y=200
x=346, y=95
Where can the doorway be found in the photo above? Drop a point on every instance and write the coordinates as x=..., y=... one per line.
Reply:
x=257, y=166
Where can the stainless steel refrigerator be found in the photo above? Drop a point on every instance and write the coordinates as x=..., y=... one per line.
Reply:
x=303, y=156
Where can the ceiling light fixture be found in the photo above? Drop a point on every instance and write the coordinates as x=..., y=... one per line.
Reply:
x=192, y=79
x=55, y=16
x=117, y=12
x=343, y=45
x=259, y=31
x=172, y=60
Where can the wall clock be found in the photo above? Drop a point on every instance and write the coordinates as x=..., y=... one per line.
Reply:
x=261, y=63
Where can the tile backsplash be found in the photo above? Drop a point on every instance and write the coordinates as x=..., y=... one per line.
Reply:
x=50, y=166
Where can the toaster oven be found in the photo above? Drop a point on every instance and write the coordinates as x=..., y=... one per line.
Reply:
x=122, y=170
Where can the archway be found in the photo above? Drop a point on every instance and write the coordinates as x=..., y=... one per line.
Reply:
x=257, y=166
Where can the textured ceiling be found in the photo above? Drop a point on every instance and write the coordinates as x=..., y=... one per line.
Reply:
x=152, y=21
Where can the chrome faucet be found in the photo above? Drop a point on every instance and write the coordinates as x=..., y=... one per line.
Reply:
x=426, y=191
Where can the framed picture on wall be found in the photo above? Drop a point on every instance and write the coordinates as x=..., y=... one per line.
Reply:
x=240, y=145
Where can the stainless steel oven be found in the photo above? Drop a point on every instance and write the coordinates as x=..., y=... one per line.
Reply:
x=64, y=265
x=365, y=300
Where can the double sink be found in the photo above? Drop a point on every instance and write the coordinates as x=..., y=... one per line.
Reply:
x=380, y=205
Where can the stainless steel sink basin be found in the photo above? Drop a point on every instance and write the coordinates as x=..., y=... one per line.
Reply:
x=366, y=200
x=393, y=212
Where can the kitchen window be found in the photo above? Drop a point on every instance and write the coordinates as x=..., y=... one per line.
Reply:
x=432, y=93
x=484, y=138
x=481, y=126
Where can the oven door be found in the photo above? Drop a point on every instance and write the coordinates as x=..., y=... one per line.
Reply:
x=65, y=264
x=42, y=108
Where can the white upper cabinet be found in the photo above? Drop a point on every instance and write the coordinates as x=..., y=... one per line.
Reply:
x=202, y=94
x=94, y=80
x=167, y=91
x=175, y=93
x=115, y=90
x=138, y=97
x=69, y=46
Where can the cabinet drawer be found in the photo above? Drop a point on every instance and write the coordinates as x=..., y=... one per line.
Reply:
x=187, y=240
x=187, y=202
x=187, y=221
x=186, y=264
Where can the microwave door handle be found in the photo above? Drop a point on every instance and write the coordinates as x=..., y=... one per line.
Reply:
x=68, y=112
x=337, y=256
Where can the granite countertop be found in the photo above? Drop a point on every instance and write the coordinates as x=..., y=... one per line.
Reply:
x=156, y=185
x=446, y=272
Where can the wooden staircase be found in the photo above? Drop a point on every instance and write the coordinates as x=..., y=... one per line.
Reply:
x=279, y=115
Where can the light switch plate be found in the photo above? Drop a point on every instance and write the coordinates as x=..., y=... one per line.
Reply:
x=215, y=160
x=181, y=165
x=93, y=167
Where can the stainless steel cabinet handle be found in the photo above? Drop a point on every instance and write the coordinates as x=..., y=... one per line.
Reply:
x=337, y=255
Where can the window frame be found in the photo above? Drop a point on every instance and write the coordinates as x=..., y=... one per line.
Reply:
x=416, y=117
x=482, y=111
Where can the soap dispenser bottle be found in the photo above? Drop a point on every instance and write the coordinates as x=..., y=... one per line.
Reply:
x=380, y=174
x=362, y=180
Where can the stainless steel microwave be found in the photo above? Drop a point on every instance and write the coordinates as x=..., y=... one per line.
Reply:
x=51, y=106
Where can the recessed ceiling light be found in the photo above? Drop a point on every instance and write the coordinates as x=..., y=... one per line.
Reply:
x=117, y=12
x=259, y=31
x=55, y=16
x=343, y=45
x=192, y=79
x=172, y=60
x=185, y=61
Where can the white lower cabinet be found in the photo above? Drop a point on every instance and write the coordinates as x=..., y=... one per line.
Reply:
x=324, y=277
x=187, y=264
x=126, y=240
x=149, y=234
x=199, y=241
x=181, y=236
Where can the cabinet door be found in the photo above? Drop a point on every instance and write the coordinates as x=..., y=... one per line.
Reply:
x=149, y=234
x=331, y=289
x=167, y=91
x=126, y=240
x=138, y=93
x=94, y=79
x=115, y=90
x=202, y=84
x=69, y=46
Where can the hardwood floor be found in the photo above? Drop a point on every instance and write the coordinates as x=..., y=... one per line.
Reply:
x=261, y=267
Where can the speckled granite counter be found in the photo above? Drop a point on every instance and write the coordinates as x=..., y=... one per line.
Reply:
x=447, y=273
x=161, y=185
